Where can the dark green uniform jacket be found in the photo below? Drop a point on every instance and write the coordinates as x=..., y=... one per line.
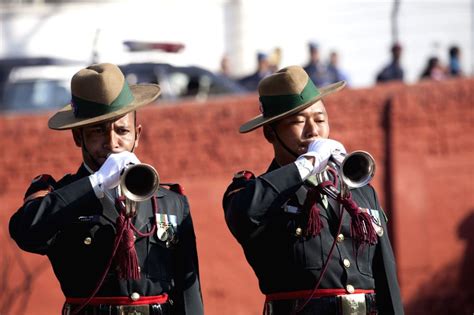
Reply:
x=262, y=214
x=76, y=231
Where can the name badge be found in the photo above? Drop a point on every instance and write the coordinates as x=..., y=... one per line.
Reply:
x=292, y=209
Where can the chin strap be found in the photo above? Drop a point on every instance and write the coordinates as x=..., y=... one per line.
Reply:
x=97, y=165
x=84, y=148
x=293, y=153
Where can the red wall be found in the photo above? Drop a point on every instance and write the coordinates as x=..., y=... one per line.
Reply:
x=420, y=136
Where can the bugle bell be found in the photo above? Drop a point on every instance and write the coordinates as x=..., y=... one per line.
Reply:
x=138, y=182
x=356, y=169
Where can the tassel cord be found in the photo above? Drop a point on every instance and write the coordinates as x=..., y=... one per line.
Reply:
x=361, y=223
x=117, y=242
x=361, y=228
x=325, y=266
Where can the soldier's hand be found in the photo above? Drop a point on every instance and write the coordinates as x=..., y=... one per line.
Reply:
x=108, y=176
x=321, y=150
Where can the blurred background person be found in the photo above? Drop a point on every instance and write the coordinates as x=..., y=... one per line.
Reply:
x=393, y=71
x=250, y=82
x=334, y=72
x=315, y=68
x=434, y=70
x=225, y=66
x=275, y=59
x=454, y=61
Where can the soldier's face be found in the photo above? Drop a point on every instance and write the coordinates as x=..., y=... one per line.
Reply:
x=299, y=130
x=98, y=141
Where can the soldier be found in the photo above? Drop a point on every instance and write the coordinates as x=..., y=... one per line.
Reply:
x=316, y=70
x=314, y=248
x=110, y=260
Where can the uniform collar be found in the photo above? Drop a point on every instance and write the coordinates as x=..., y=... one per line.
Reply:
x=273, y=166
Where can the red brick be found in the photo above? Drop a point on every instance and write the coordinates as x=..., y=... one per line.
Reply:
x=425, y=183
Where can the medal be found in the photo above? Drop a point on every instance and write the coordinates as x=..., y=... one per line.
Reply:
x=166, y=225
x=375, y=219
x=162, y=232
x=162, y=226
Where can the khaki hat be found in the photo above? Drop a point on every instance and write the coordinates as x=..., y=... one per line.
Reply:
x=100, y=93
x=287, y=92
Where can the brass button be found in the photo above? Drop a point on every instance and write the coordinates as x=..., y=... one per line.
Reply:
x=139, y=269
x=350, y=288
x=379, y=231
x=135, y=296
x=298, y=232
x=347, y=263
x=134, y=237
x=340, y=238
x=87, y=240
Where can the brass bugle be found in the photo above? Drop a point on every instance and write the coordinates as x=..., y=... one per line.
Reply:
x=356, y=169
x=139, y=182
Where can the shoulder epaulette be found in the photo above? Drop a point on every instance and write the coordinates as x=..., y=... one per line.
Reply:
x=244, y=175
x=40, y=186
x=239, y=182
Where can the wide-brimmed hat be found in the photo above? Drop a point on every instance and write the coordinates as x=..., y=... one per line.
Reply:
x=101, y=93
x=285, y=93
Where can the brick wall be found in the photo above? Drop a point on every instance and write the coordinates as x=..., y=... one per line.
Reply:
x=419, y=135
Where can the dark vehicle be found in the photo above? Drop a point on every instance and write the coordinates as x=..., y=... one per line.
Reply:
x=8, y=64
x=38, y=88
x=181, y=82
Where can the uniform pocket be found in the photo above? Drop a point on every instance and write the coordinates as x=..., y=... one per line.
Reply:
x=160, y=261
x=309, y=253
x=364, y=259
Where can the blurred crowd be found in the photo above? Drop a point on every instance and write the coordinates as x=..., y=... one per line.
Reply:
x=38, y=84
x=324, y=72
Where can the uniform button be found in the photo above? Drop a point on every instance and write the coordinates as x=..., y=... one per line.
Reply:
x=340, y=238
x=135, y=296
x=347, y=263
x=87, y=240
x=298, y=232
x=139, y=269
x=350, y=288
x=134, y=237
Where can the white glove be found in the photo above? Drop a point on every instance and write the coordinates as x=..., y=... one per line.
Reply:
x=321, y=150
x=108, y=176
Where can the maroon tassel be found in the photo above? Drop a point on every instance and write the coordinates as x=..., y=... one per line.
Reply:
x=362, y=230
x=314, y=224
x=126, y=257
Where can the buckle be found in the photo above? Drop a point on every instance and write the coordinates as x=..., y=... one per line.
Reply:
x=353, y=304
x=133, y=309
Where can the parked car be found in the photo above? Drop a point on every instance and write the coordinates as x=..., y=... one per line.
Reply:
x=38, y=88
x=181, y=82
x=43, y=88
x=8, y=64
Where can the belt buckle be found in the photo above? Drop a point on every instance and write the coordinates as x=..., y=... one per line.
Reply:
x=353, y=304
x=134, y=310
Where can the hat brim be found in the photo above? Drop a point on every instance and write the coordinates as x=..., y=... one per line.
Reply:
x=143, y=95
x=260, y=120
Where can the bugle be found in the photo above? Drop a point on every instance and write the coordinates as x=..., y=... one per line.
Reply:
x=138, y=182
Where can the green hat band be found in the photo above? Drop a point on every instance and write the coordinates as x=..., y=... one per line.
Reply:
x=88, y=109
x=278, y=104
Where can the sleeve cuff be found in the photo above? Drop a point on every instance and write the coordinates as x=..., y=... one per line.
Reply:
x=304, y=166
x=99, y=193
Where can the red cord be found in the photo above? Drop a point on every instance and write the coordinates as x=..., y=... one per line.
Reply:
x=109, y=263
x=325, y=266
